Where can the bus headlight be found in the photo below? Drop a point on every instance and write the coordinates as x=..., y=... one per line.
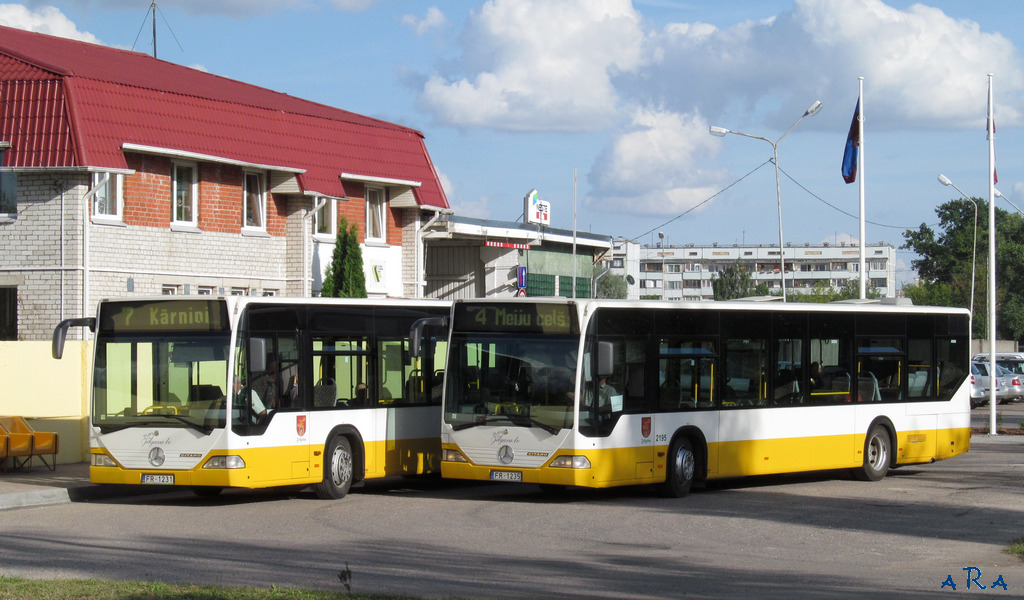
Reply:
x=571, y=462
x=225, y=462
x=453, y=456
x=102, y=460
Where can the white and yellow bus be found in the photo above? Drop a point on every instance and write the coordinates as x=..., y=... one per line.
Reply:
x=602, y=393
x=215, y=392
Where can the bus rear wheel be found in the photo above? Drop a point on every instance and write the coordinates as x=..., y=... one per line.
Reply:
x=337, y=469
x=877, y=453
x=682, y=466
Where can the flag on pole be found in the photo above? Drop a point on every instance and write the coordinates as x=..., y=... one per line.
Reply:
x=852, y=148
x=990, y=129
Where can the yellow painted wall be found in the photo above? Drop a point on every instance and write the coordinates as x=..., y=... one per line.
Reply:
x=53, y=395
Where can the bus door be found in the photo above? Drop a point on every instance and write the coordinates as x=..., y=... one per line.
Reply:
x=410, y=408
x=615, y=405
x=268, y=408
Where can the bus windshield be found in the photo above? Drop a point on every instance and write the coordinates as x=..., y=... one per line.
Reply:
x=170, y=380
x=524, y=379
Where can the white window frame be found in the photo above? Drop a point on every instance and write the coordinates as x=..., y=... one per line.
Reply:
x=376, y=215
x=254, y=220
x=112, y=193
x=328, y=212
x=193, y=192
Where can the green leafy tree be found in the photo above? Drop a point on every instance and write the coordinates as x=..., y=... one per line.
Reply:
x=734, y=281
x=947, y=260
x=611, y=286
x=823, y=292
x=344, y=277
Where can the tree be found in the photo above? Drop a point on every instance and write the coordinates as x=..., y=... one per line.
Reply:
x=733, y=281
x=611, y=286
x=947, y=261
x=823, y=292
x=344, y=277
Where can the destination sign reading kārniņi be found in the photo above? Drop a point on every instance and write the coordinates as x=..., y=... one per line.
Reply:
x=164, y=315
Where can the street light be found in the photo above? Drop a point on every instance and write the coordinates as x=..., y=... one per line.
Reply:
x=664, y=275
x=721, y=131
x=974, y=250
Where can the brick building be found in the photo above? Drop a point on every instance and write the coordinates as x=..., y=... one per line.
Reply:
x=123, y=175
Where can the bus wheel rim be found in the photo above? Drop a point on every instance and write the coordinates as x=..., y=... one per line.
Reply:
x=684, y=464
x=341, y=470
x=876, y=453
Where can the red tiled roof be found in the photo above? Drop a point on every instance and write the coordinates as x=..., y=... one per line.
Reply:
x=65, y=103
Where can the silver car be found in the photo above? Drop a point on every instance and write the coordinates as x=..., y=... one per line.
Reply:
x=980, y=384
x=1013, y=384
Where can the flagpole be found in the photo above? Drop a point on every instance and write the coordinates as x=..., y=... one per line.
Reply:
x=574, y=232
x=860, y=169
x=991, y=126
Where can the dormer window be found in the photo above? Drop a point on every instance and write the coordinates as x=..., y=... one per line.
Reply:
x=375, y=215
x=184, y=194
x=254, y=202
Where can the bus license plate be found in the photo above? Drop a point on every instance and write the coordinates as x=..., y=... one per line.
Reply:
x=506, y=476
x=158, y=479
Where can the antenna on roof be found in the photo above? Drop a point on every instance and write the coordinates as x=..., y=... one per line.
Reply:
x=153, y=8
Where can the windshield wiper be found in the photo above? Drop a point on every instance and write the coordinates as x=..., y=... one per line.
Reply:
x=192, y=424
x=520, y=420
x=525, y=420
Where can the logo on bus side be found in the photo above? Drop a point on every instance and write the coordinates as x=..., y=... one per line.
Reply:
x=645, y=427
x=300, y=425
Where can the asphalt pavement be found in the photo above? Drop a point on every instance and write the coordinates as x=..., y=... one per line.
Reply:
x=40, y=486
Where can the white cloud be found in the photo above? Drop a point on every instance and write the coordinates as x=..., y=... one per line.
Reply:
x=922, y=68
x=353, y=5
x=434, y=19
x=46, y=19
x=654, y=166
x=539, y=65
x=478, y=209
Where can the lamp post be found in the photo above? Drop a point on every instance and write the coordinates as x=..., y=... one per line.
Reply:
x=721, y=131
x=664, y=275
x=974, y=249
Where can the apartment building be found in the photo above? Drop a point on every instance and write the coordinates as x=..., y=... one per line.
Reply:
x=685, y=272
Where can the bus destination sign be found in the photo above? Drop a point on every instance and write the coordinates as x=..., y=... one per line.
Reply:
x=158, y=315
x=517, y=318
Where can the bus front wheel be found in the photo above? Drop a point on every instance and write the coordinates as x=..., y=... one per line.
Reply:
x=877, y=453
x=682, y=466
x=337, y=469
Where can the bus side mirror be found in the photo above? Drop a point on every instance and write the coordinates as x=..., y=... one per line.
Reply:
x=605, y=359
x=60, y=333
x=257, y=354
x=416, y=333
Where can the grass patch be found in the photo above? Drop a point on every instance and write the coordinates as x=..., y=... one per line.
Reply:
x=13, y=588
x=1016, y=548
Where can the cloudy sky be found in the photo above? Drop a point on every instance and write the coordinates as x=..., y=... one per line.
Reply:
x=520, y=94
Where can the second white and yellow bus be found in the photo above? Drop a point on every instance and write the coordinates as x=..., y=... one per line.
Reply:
x=216, y=392
x=608, y=393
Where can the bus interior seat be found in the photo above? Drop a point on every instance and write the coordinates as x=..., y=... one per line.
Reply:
x=207, y=392
x=918, y=383
x=325, y=393
x=867, y=388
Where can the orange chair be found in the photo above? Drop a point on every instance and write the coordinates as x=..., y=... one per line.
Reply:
x=3, y=452
x=39, y=443
x=19, y=445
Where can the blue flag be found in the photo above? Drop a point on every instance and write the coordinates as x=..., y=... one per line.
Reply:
x=852, y=148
